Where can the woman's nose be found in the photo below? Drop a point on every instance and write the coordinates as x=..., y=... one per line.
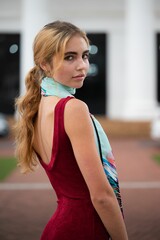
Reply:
x=82, y=64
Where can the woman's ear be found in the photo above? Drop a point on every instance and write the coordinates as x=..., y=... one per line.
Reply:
x=43, y=65
x=46, y=68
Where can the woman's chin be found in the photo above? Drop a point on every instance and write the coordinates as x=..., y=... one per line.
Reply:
x=79, y=85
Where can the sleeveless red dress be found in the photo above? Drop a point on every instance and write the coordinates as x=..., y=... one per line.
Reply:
x=75, y=217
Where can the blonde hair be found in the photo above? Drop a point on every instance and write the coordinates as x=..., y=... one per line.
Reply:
x=50, y=41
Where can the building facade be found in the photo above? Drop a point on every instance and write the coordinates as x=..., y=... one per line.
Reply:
x=131, y=27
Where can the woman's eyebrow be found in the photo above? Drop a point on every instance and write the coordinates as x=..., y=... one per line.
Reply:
x=67, y=53
x=87, y=51
x=75, y=53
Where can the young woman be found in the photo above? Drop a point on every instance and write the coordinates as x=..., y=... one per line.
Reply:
x=57, y=130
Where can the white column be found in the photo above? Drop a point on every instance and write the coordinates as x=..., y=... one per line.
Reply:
x=140, y=93
x=35, y=14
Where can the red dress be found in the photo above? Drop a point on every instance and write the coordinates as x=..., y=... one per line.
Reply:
x=75, y=217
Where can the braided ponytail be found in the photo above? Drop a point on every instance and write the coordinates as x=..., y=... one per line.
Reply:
x=27, y=107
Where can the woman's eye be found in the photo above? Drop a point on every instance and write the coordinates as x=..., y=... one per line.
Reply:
x=69, y=58
x=86, y=56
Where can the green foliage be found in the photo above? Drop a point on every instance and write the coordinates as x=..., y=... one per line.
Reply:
x=157, y=158
x=7, y=165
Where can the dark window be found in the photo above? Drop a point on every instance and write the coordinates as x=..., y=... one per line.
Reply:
x=93, y=91
x=9, y=82
x=158, y=66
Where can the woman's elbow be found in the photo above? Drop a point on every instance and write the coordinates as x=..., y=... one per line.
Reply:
x=103, y=199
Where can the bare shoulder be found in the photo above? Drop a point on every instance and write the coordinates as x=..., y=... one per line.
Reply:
x=76, y=107
x=76, y=117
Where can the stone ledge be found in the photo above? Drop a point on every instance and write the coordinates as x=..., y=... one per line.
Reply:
x=119, y=128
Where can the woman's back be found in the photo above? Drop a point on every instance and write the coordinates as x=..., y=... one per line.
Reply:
x=44, y=130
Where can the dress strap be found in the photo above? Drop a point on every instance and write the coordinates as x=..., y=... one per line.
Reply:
x=98, y=138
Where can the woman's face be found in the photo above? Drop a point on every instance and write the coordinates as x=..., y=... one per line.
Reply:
x=75, y=64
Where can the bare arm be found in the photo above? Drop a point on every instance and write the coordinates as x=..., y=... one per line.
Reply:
x=79, y=128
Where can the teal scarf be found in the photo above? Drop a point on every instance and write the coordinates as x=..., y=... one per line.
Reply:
x=49, y=87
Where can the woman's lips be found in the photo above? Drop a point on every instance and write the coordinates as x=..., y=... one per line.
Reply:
x=80, y=77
